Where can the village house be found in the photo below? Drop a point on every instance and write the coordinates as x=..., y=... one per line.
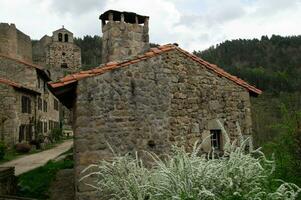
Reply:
x=149, y=98
x=28, y=108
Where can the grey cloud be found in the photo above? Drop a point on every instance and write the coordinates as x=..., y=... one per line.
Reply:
x=77, y=7
x=217, y=13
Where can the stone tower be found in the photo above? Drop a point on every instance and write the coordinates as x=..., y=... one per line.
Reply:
x=15, y=43
x=124, y=34
x=58, y=53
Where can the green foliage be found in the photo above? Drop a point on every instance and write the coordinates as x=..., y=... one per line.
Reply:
x=90, y=50
x=272, y=64
x=187, y=176
x=56, y=135
x=35, y=184
x=286, y=147
x=3, y=149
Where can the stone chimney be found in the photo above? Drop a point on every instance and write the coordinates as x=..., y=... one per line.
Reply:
x=124, y=34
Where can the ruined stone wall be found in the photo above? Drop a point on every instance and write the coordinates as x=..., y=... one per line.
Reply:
x=8, y=39
x=39, y=49
x=151, y=105
x=14, y=43
x=120, y=40
x=24, y=51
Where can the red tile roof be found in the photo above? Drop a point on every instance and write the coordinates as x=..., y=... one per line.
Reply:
x=15, y=85
x=151, y=53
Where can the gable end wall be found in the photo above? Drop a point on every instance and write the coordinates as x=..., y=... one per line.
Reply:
x=164, y=100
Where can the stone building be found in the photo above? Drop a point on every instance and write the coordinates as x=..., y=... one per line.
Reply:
x=149, y=99
x=28, y=108
x=58, y=53
x=14, y=43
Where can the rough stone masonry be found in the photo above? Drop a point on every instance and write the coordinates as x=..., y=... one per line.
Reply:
x=149, y=101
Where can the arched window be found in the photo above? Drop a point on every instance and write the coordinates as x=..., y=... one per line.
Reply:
x=60, y=37
x=66, y=37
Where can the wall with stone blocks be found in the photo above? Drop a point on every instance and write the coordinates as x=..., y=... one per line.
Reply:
x=14, y=43
x=151, y=105
x=120, y=40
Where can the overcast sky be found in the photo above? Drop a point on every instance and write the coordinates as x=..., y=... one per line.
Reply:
x=193, y=24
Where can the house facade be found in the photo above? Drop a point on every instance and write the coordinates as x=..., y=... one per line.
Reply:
x=29, y=108
x=149, y=99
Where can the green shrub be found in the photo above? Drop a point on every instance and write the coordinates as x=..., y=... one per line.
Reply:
x=56, y=135
x=236, y=175
x=23, y=147
x=3, y=149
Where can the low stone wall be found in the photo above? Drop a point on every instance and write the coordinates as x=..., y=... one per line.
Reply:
x=8, y=183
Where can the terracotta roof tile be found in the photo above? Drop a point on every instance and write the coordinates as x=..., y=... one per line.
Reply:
x=10, y=83
x=153, y=51
x=15, y=85
x=21, y=61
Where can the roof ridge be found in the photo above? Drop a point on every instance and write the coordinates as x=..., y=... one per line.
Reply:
x=15, y=84
x=151, y=53
x=21, y=61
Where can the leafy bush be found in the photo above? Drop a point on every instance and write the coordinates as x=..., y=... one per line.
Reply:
x=236, y=175
x=23, y=147
x=56, y=134
x=3, y=149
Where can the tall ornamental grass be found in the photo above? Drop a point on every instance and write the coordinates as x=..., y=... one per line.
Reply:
x=237, y=174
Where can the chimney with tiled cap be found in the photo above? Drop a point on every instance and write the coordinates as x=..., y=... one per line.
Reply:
x=124, y=34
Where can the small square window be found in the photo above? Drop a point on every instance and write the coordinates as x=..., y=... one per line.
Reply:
x=215, y=136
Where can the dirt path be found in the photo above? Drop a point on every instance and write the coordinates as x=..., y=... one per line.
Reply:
x=27, y=163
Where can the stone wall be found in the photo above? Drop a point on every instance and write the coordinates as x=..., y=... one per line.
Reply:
x=8, y=115
x=39, y=50
x=14, y=43
x=151, y=105
x=26, y=76
x=24, y=51
x=8, y=39
x=18, y=72
x=120, y=40
x=62, y=58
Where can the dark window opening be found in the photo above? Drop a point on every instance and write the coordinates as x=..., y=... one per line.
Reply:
x=151, y=144
x=66, y=37
x=64, y=65
x=45, y=127
x=55, y=104
x=21, y=132
x=26, y=104
x=39, y=103
x=215, y=139
x=45, y=106
x=39, y=83
x=25, y=132
x=40, y=127
x=60, y=37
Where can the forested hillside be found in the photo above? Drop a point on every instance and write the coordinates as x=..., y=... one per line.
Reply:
x=272, y=64
x=90, y=50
